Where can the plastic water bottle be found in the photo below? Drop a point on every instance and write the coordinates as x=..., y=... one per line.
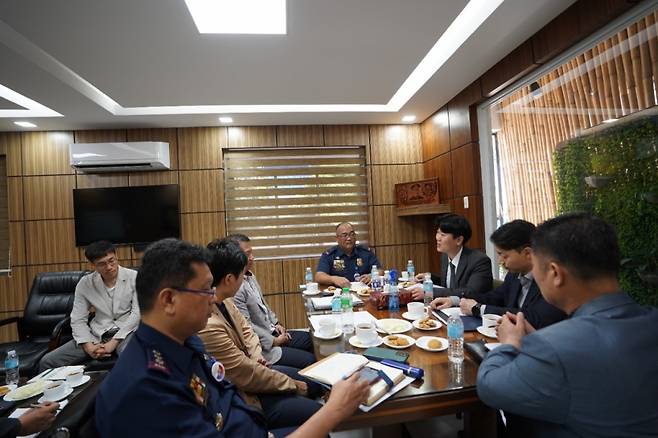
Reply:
x=393, y=299
x=308, y=276
x=11, y=367
x=428, y=289
x=375, y=280
x=347, y=313
x=455, y=339
x=411, y=269
x=336, y=309
x=386, y=284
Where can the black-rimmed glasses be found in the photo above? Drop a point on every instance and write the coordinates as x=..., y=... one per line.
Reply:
x=209, y=292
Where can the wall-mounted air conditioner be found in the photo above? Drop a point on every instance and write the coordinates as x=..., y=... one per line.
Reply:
x=119, y=157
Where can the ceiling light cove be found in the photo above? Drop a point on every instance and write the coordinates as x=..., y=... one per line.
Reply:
x=239, y=16
x=31, y=107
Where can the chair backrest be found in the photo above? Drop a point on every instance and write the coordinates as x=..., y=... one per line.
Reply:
x=50, y=301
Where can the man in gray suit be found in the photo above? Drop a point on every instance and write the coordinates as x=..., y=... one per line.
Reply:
x=292, y=348
x=593, y=374
x=464, y=271
x=110, y=289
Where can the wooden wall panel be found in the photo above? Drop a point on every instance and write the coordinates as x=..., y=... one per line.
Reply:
x=201, y=148
x=202, y=190
x=15, y=198
x=463, y=127
x=441, y=167
x=346, y=135
x=396, y=256
x=294, y=270
x=14, y=289
x=435, y=134
x=594, y=14
x=512, y=67
x=393, y=230
x=46, y=153
x=270, y=276
x=395, y=144
x=307, y=135
x=100, y=136
x=384, y=179
x=251, y=136
x=278, y=305
x=123, y=253
x=49, y=197
x=10, y=145
x=201, y=228
x=168, y=135
x=295, y=311
x=152, y=178
x=92, y=181
x=556, y=36
x=475, y=217
x=17, y=242
x=9, y=332
x=466, y=178
x=50, y=241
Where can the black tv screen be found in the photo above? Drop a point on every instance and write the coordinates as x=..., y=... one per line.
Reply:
x=132, y=215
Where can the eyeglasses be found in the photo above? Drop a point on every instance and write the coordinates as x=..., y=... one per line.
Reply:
x=346, y=235
x=208, y=292
x=106, y=263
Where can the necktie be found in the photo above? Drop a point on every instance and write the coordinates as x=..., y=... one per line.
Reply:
x=453, y=280
x=525, y=285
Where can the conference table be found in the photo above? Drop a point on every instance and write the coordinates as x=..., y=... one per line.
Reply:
x=445, y=389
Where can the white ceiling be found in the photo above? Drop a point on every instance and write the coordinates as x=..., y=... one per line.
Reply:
x=148, y=53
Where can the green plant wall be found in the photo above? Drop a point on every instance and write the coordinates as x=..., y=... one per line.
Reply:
x=628, y=156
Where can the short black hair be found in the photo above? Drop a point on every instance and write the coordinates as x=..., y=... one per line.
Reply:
x=585, y=244
x=97, y=250
x=513, y=235
x=454, y=224
x=166, y=263
x=226, y=258
x=238, y=237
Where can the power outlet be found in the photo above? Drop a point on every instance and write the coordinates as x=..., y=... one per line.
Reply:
x=465, y=201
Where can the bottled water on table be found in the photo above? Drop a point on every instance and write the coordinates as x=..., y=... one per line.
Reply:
x=411, y=270
x=11, y=367
x=393, y=299
x=347, y=313
x=387, y=282
x=428, y=289
x=455, y=339
x=336, y=305
x=308, y=276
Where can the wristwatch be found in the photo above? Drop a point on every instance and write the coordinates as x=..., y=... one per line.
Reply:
x=475, y=310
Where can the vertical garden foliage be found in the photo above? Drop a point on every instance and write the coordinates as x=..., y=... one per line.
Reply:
x=628, y=155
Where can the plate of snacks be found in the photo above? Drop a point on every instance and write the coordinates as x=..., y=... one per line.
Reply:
x=364, y=292
x=332, y=290
x=399, y=341
x=432, y=343
x=426, y=324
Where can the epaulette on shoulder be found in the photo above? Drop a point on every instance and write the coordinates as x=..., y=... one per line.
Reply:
x=156, y=361
x=330, y=250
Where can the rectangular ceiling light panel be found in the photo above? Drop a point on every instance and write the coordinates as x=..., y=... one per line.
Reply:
x=239, y=16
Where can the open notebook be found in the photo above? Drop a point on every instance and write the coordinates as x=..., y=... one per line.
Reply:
x=333, y=368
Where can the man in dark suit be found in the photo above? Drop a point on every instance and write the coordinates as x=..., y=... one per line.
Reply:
x=464, y=271
x=519, y=291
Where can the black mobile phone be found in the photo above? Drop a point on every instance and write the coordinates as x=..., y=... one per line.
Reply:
x=369, y=374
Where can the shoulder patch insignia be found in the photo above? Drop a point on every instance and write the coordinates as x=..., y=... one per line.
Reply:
x=156, y=362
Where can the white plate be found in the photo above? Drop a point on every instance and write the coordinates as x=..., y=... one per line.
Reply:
x=26, y=391
x=327, y=291
x=65, y=394
x=489, y=332
x=424, y=340
x=310, y=294
x=82, y=381
x=407, y=315
x=437, y=325
x=354, y=341
x=393, y=326
x=411, y=341
x=336, y=334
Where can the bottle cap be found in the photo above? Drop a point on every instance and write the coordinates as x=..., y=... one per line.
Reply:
x=11, y=352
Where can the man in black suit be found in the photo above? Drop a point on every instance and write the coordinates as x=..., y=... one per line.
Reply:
x=464, y=271
x=519, y=291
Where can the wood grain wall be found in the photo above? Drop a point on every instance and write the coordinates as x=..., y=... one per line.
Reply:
x=41, y=182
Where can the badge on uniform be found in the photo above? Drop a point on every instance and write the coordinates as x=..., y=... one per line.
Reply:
x=219, y=421
x=359, y=262
x=217, y=371
x=199, y=389
x=339, y=265
x=156, y=362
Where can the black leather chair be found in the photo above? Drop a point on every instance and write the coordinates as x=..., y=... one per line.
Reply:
x=40, y=328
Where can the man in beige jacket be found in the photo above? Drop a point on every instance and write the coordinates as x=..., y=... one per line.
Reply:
x=279, y=391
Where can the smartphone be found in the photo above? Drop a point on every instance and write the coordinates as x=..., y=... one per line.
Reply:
x=369, y=375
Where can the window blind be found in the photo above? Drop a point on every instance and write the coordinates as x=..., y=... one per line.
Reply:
x=289, y=200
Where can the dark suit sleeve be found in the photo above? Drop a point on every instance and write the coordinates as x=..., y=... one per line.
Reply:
x=9, y=427
x=497, y=300
x=480, y=278
x=540, y=314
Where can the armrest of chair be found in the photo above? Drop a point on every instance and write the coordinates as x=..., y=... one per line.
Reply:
x=13, y=319
x=56, y=335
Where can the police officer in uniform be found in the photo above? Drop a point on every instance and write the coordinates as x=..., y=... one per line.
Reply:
x=165, y=385
x=347, y=261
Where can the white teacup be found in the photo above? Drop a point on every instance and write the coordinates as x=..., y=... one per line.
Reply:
x=55, y=390
x=416, y=310
x=490, y=320
x=327, y=327
x=404, y=276
x=311, y=287
x=366, y=333
x=74, y=377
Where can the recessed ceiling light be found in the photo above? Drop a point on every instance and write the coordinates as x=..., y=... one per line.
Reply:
x=610, y=120
x=239, y=16
x=409, y=118
x=25, y=124
x=226, y=119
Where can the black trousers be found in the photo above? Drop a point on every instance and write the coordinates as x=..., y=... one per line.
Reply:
x=298, y=353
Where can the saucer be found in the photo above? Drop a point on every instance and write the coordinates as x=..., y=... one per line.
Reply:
x=336, y=334
x=423, y=341
x=82, y=381
x=354, y=341
x=65, y=394
x=489, y=332
x=407, y=315
x=312, y=293
x=393, y=326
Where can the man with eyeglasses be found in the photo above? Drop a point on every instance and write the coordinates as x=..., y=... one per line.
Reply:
x=346, y=261
x=110, y=290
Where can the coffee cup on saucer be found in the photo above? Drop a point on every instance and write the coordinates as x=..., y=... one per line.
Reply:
x=490, y=320
x=311, y=287
x=327, y=327
x=404, y=276
x=74, y=378
x=366, y=333
x=55, y=390
x=416, y=310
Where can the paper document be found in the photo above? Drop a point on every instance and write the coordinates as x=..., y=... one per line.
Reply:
x=57, y=373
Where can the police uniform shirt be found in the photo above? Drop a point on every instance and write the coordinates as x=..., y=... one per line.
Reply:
x=335, y=262
x=162, y=389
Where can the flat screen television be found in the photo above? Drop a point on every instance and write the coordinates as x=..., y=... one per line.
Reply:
x=126, y=215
